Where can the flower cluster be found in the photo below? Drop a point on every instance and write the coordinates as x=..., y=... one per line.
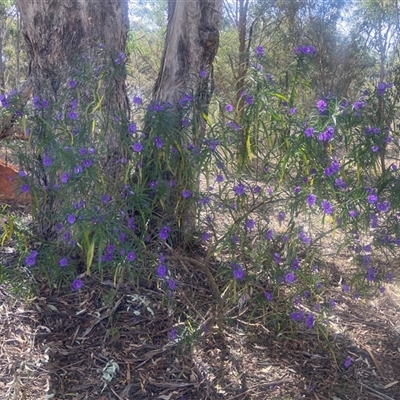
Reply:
x=308, y=51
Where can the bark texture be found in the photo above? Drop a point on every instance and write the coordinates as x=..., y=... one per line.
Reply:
x=190, y=46
x=57, y=32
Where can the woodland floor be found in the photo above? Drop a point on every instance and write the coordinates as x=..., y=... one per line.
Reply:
x=115, y=343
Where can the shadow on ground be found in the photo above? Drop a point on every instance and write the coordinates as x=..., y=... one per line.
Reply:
x=125, y=343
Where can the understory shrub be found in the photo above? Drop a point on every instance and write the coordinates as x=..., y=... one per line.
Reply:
x=265, y=192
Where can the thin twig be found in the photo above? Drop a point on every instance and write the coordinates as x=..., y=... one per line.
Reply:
x=382, y=396
x=271, y=383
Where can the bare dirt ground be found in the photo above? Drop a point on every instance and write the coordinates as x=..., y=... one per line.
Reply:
x=107, y=343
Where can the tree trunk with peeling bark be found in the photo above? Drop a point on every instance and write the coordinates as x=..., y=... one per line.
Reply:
x=58, y=33
x=191, y=45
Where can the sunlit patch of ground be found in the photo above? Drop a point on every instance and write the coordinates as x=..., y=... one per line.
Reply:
x=102, y=343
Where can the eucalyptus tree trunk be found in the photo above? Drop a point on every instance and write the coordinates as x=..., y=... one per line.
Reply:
x=190, y=47
x=57, y=34
x=191, y=44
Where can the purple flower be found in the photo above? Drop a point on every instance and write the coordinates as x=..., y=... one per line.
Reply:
x=71, y=218
x=269, y=234
x=322, y=106
x=205, y=200
x=173, y=335
x=78, y=169
x=137, y=100
x=333, y=168
x=161, y=271
x=65, y=177
x=250, y=224
x=327, y=135
x=308, y=51
x=22, y=174
x=381, y=87
x=348, y=362
x=310, y=321
x=268, y=296
x=186, y=193
x=25, y=188
x=372, y=198
x=352, y=213
x=87, y=163
x=185, y=122
x=281, y=216
x=293, y=111
x=339, y=184
x=370, y=274
x=259, y=50
x=238, y=272
x=158, y=142
x=31, y=259
x=131, y=256
x=77, y=284
x=63, y=262
x=47, y=162
x=73, y=115
x=72, y=83
x=164, y=232
x=374, y=149
x=205, y=236
x=297, y=315
x=36, y=101
x=383, y=207
x=358, y=105
x=132, y=127
x=202, y=74
x=105, y=198
x=327, y=207
x=239, y=189
x=346, y=288
x=233, y=125
x=229, y=108
x=138, y=147
x=277, y=258
x=290, y=277
x=332, y=303
x=185, y=99
x=249, y=100
x=311, y=199
x=171, y=284
x=304, y=238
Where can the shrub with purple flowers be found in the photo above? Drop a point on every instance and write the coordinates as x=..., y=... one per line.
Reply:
x=259, y=190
